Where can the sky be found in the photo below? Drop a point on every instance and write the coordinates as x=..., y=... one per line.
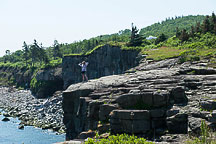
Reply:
x=73, y=20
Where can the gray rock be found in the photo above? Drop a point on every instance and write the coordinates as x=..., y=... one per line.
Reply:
x=5, y=119
x=85, y=135
x=172, y=112
x=208, y=105
x=130, y=121
x=178, y=124
x=157, y=113
x=195, y=124
x=21, y=127
x=93, y=110
x=161, y=98
x=178, y=94
x=105, y=110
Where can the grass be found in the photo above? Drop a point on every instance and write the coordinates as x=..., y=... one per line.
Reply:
x=162, y=53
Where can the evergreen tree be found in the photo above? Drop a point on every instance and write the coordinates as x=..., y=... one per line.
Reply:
x=56, y=50
x=34, y=48
x=136, y=39
x=198, y=28
x=184, y=36
x=25, y=52
x=178, y=33
x=161, y=38
x=214, y=30
x=213, y=23
x=42, y=55
x=206, y=25
x=213, y=18
x=192, y=31
x=7, y=56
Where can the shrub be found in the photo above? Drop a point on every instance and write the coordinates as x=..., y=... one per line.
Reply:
x=119, y=139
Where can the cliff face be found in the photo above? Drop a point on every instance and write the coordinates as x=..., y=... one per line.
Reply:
x=104, y=61
x=46, y=82
x=12, y=75
x=164, y=98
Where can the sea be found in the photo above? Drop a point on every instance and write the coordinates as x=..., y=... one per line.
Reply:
x=10, y=134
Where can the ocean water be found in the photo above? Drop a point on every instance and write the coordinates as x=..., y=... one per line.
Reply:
x=10, y=134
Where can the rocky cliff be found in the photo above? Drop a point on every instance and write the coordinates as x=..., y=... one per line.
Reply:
x=46, y=82
x=15, y=75
x=103, y=61
x=157, y=99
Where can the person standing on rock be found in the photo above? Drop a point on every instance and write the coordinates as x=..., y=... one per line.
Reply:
x=83, y=66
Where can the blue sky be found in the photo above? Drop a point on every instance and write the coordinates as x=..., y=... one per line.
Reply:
x=74, y=20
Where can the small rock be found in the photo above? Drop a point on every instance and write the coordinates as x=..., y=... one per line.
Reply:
x=21, y=127
x=5, y=119
x=84, y=135
x=6, y=115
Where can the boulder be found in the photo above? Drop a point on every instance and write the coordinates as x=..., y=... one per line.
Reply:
x=5, y=119
x=212, y=117
x=105, y=110
x=208, y=105
x=86, y=134
x=130, y=121
x=160, y=99
x=93, y=110
x=178, y=124
x=178, y=95
x=195, y=124
x=21, y=127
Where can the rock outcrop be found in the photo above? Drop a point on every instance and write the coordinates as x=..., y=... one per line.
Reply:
x=46, y=82
x=164, y=98
x=104, y=61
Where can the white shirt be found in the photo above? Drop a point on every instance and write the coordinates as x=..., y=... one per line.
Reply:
x=83, y=66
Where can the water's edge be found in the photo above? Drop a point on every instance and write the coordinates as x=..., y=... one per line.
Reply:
x=10, y=133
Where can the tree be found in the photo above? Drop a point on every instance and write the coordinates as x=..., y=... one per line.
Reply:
x=192, y=31
x=184, y=35
x=25, y=52
x=206, y=25
x=135, y=39
x=35, y=52
x=56, y=50
x=161, y=38
x=213, y=23
x=198, y=28
x=214, y=30
x=178, y=33
x=7, y=56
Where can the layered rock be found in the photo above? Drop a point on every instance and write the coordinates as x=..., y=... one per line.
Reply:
x=151, y=102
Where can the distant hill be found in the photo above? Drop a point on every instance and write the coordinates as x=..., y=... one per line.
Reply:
x=168, y=27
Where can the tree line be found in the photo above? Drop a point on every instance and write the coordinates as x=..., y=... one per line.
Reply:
x=208, y=25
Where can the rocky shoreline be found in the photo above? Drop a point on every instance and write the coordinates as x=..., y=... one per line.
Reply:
x=179, y=95
x=42, y=113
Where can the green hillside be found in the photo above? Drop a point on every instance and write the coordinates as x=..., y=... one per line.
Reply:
x=168, y=27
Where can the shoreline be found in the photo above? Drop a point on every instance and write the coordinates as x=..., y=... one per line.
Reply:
x=41, y=113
